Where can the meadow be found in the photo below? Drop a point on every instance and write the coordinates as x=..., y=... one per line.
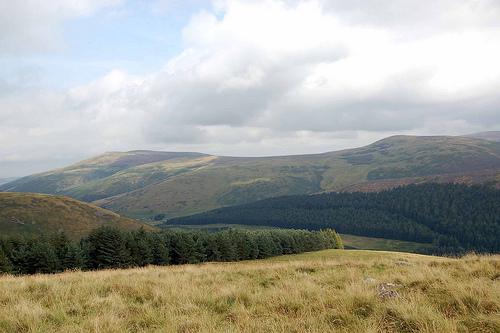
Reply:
x=331, y=290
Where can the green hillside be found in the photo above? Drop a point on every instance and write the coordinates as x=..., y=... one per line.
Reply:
x=33, y=214
x=490, y=136
x=6, y=180
x=61, y=181
x=144, y=184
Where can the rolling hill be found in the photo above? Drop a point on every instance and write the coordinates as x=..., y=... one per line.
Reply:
x=7, y=180
x=146, y=183
x=490, y=136
x=31, y=214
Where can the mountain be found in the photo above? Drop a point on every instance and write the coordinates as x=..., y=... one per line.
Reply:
x=7, y=180
x=28, y=213
x=145, y=183
x=95, y=170
x=454, y=217
x=490, y=136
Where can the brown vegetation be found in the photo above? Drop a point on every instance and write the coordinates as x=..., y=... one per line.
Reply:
x=35, y=214
x=331, y=290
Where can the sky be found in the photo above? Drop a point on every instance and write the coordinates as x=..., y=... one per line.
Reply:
x=239, y=77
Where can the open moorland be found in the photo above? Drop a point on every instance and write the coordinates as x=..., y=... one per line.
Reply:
x=144, y=184
x=332, y=290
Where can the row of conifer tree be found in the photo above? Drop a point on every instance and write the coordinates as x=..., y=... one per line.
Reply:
x=455, y=218
x=107, y=247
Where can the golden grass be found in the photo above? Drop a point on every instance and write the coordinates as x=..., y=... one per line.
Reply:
x=326, y=291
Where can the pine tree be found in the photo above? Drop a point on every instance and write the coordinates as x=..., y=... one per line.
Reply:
x=5, y=264
x=60, y=243
x=106, y=248
x=140, y=248
x=73, y=257
x=227, y=248
x=159, y=250
x=199, y=250
x=19, y=255
x=332, y=239
x=212, y=249
x=182, y=248
x=265, y=246
x=339, y=244
x=41, y=258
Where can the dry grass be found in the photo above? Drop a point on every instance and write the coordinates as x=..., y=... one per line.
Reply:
x=35, y=214
x=325, y=291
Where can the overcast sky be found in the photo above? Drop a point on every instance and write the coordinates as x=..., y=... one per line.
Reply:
x=239, y=77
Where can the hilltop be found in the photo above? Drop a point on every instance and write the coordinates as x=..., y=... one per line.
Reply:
x=332, y=290
x=145, y=183
x=34, y=214
x=490, y=136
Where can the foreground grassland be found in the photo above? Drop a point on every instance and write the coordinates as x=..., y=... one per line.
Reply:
x=331, y=290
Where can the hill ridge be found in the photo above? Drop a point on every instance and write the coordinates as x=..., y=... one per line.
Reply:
x=146, y=183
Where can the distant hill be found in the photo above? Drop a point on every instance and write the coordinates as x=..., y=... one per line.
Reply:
x=7, y=180
x=94, y=170
x=146, y=183
x=27, y=213
x=452, y=216
x=490, y=136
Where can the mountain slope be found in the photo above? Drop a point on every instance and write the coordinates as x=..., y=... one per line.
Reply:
x=60, y=181
x=143, y=184
x=490, y=136
x=28, y=213
x=7, y=180
x=385, y=164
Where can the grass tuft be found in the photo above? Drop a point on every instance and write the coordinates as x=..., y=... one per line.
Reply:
x=323, y=291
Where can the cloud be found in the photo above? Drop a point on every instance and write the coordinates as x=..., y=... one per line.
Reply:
x=35, y=25
x=303, y=67
x=271, y=77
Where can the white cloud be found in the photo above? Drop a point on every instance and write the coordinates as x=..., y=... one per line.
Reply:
x=307, y=66
x=274, y=77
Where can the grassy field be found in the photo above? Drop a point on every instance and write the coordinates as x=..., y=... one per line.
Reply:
x=333, y=290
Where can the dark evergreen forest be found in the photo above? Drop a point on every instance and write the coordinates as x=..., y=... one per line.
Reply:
x=111, y=248
x=456, y=218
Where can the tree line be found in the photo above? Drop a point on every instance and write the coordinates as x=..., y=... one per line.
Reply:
x=108, y=247
x=455, y=218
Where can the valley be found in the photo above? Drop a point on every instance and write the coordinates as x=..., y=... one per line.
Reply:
x=288, y=166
